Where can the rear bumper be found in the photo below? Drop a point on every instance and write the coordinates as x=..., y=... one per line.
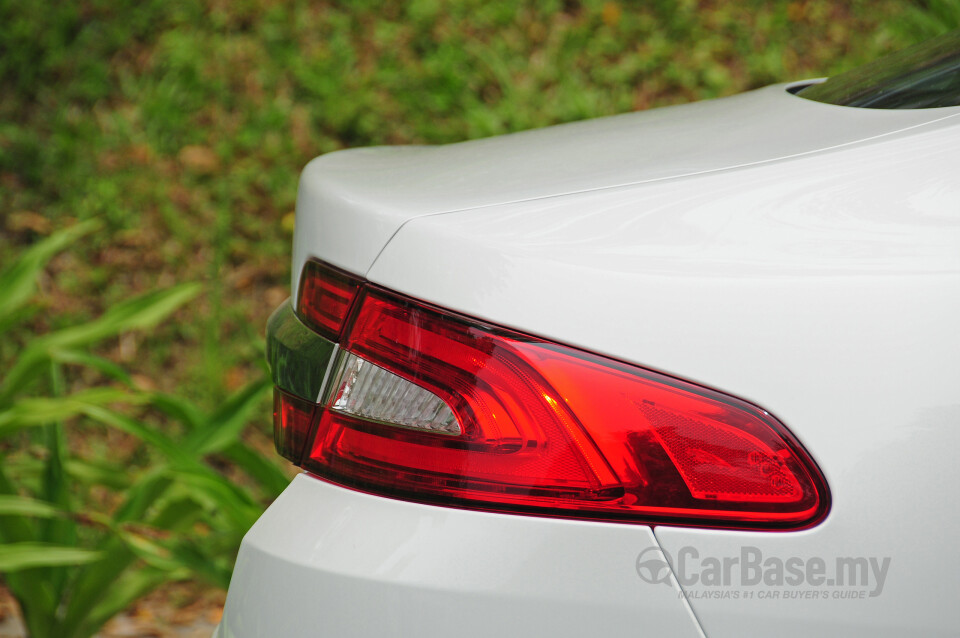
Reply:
x=329, y=561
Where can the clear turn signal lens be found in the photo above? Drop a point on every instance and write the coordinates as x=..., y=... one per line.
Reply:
x=367, y=391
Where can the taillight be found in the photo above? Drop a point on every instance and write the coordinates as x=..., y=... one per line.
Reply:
x=428, y=405
x=325, y=298
x=292, y=418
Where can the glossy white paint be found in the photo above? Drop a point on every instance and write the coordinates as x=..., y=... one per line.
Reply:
x=801, y=256
x=328, y=561
x=351, y=202
x=825, y=289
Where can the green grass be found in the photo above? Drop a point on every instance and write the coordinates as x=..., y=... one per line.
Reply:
x=182, y=126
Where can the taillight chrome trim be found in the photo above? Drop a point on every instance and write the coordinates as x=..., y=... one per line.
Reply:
x=299, y=358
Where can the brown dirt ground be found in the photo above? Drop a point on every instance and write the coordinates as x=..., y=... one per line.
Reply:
x=175, y=611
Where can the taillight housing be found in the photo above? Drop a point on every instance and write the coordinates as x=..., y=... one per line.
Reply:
x=428, y=405
x=292, y=421
x=325, y=297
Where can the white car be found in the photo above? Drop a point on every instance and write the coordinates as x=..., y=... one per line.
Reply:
x=687, y=372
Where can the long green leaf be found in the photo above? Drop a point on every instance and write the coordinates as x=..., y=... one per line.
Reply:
x=211, y=566
x=95, y=473
x=149, y=550
x=18, y=556
x=56, y=489
x=227, y=423
x=105, y=366
x=178, y=408
x=138, y=313
x=36, y=596
x=94, y=584
x=140, y=497
x=217, y=493
x=174, y=556
x=38, y=411
x=18, y=281
x=149, y=435
x=129, y=588
x=185, y=468
x=117, y=477
x=24, y=506
x=187, y=474
x=265, y=472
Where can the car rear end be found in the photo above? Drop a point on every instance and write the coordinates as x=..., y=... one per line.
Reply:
x=637, y=376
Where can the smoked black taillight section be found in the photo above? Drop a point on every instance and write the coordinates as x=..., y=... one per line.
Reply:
x=292, y=419
x=326, y=295
x=424, y=404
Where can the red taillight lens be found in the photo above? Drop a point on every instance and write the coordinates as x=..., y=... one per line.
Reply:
x=326, y=295
x=292, y=418
x=544, y=428
x=512, y=441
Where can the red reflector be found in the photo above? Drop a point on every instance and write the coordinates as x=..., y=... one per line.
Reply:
x=549, y=429
x=326, y=295
x=292, y=418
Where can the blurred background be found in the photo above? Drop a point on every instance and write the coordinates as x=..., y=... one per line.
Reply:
x=149, y=157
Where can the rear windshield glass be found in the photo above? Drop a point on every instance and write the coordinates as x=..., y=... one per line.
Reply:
x=921, y=77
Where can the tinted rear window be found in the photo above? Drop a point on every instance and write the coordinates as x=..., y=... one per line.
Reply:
x=921, y=77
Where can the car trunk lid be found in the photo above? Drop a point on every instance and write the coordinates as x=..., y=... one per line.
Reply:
x=350, y=203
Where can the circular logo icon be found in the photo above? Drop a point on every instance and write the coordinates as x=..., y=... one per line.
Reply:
x=652, y=566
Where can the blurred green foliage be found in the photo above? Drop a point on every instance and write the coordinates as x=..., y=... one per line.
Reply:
x=929, y=18
x=83, y=535
x=181, y=127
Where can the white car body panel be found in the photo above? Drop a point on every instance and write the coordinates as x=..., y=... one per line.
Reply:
x=328, y=561
x=351, y=202
x=801, y=256
x=824, y=289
